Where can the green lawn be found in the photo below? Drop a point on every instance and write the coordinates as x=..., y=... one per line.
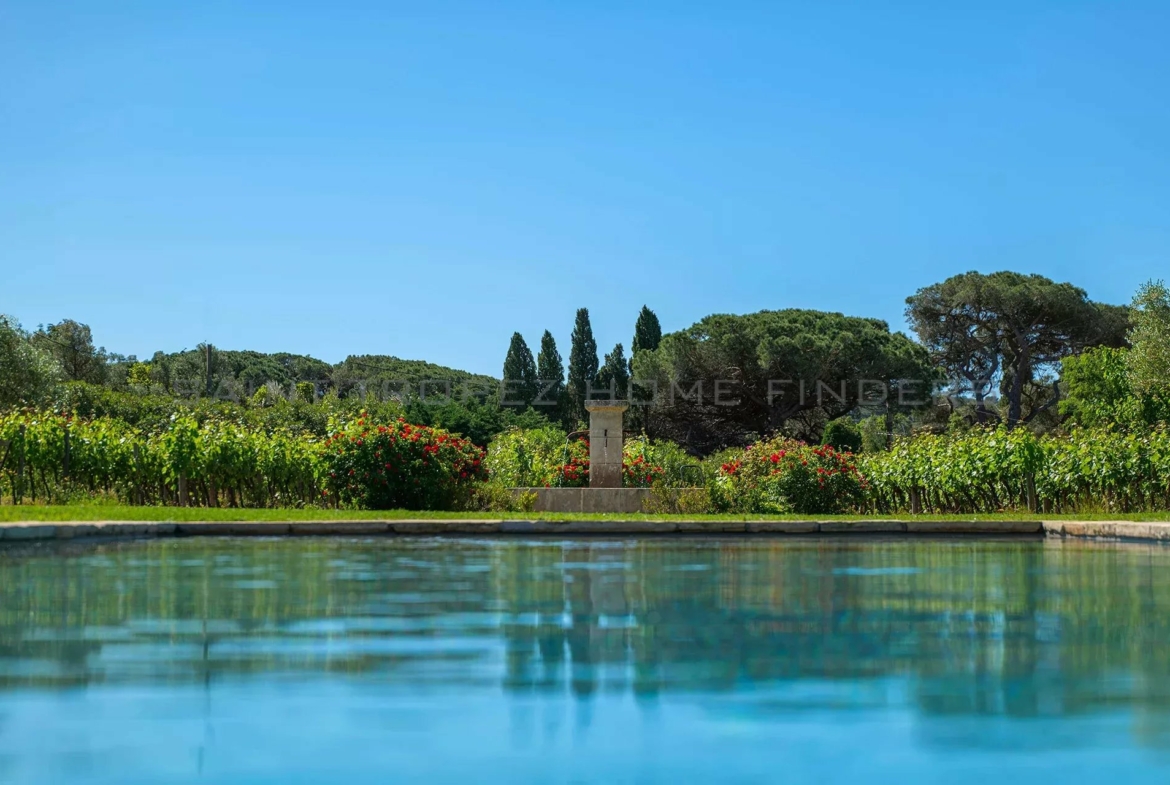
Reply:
x=101, y=512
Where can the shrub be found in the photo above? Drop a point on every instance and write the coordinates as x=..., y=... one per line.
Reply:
x=638, y=468
x=679, y=469
x=665, y=500
x=574, y=473
x=527, y=458
x=876, y=431
x=842, y=435
x=493, y=496
x=640, y=463
x=402, y=466
x=786, y=476
x=637, y=472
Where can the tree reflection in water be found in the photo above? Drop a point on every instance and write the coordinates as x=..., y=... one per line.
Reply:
x=958, y=627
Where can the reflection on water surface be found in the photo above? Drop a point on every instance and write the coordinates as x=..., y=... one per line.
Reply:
x=639, y=660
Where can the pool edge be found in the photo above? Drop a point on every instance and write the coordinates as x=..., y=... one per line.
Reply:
x=1099, y=530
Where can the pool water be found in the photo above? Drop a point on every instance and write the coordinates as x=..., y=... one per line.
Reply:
x=677, y=660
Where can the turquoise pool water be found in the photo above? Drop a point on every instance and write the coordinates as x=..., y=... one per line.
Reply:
x=633, y=660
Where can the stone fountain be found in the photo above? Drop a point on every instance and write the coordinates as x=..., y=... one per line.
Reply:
x=605, y=492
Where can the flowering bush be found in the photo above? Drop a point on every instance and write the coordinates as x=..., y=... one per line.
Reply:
x=638, y=473
x=402, y=466
x=668, y=464
x=637, y=469
x=575, y=473
x=786, y=476
x=541, y=457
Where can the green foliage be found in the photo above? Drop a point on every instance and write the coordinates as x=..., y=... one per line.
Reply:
x=879, y=430
x=138, y=376
x=405, y=379
x=782, y=475
x=614, y=375
x=638, y=468
x=842, y=435
x=27, y=372
x=582, y=367
x=151, y=412
x=480, y=421
x=1148, y=362
x=1098, y=390
x=402, y=466
x=494, y=496
x=575, y=471
x=647, y=337
x=542, y=457
x=990, y=470
x=647, y=332
x=1007, y=327
x=235, y=375
x=665, y=500
x=679, y=469
x=71, y=345
x=520, y=379
x=218, y=462
x=1124, y=387
x=527, y=458
x=838, y=351
x=551, y=372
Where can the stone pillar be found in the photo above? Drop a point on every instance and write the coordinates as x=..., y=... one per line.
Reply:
x=605, y=443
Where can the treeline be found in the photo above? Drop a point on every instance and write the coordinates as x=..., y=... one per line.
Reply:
x=32, y=363
x=987, y=349
x=999, y=349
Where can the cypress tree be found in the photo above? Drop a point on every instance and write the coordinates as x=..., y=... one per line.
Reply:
x=614, y=376
x=582, y=364
x=550, y=369
x=647, y=332
x=647, y=336
x=520, y=373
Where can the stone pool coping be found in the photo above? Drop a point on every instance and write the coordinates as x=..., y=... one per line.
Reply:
x=1105, y=530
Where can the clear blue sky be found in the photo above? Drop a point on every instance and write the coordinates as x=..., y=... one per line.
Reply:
x=421, y=179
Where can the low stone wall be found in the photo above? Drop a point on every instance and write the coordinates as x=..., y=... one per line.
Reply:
x=592, y=500
x=1109, y=530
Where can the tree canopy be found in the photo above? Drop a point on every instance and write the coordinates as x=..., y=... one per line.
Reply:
x=27, y=371
x=71, y=345
x=727, y=379
x=614, y=374
x=1149, y=360
x=1008, y=329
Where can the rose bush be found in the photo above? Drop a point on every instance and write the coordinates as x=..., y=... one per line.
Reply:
x=638, y=471
x=402, y=466
x=781, y=475
x=574, y=473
